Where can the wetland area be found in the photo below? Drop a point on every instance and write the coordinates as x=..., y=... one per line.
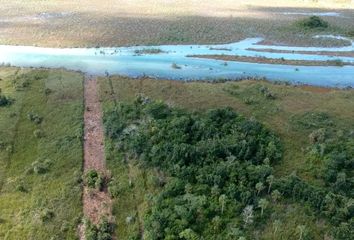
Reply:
x=183, y=120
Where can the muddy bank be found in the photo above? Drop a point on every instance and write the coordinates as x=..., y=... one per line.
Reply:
x=273, y=60
x=326, y=53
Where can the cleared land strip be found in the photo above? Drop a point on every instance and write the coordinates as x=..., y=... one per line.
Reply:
x=96, y=203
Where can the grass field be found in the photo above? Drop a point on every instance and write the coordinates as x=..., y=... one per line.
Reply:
x=280, y=110
x=41, y=119
x=41, y=149
x=41, y=154
x=147, y=22
x=136, y=184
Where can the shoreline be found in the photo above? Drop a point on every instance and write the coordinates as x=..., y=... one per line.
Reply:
x=326, y=53
x=275, y=61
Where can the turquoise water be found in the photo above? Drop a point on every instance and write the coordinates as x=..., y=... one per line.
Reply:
x=126, y=61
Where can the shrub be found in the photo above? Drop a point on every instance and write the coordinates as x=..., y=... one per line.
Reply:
x=21, y=188
x=249, y=100
x=41, y=167
x=46, y=215
x=263, y=89
x=270, y=95
x=350, y=33
x=77, y=177
x=48, y=91
x=115, y=123
x=344, y=231
x=266, y=92
x=4, y=101
x=65, y=226
x=94, y=180
x=9, y=148
x=148, y=51
x=6, y=146
x=101, y=232
x=22, y=81
x=313, y=22
x=175, y=66
x=114, y=189
x=313, y=120
x=38, y=133
x=90, y=231
x=158, y=110
x=2, y=145
x=99, y=184
x=130, y=219
x=318, y=136
x=33, y=117
x=336, y=62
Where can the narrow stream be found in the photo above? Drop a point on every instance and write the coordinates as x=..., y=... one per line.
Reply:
x=133, y=62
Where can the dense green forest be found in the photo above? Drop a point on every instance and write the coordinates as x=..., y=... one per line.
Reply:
x=219, y=180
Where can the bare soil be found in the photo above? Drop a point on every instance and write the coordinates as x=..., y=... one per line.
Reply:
x=96, y=204
x=315, y=89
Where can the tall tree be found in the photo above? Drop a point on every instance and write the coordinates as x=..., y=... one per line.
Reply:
x=263, y=204
x=276, y=195
x=259, y=187
x=301, y=230
x=222, y=201
x=276, y=226
x=247, y=214
x=189, y=234
x=270, y=180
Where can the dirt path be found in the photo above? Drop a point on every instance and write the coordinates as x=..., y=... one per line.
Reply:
x=96, y=204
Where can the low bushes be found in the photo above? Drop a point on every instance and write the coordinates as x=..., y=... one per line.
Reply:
x=175, y=66
x=34, y=117
x=337, y=157
x=350, y=33
x=41, y=167
x=312, y=120
x=101, y=232
x=336, y=62
x=4, y=101
x=38, y=133
x=148, y=51
x=21, y=188
x=46, y=215
x=267, y=93
x=93, y=179
x=313, y=22
x=114, y=188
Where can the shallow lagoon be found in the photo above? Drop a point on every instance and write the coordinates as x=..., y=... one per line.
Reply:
x=130, y=62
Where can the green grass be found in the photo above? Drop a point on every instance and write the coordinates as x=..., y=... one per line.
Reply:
x=135, y=185
x=278, y=114
x=41, y=200
x=40, y=196
x=282, y=112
